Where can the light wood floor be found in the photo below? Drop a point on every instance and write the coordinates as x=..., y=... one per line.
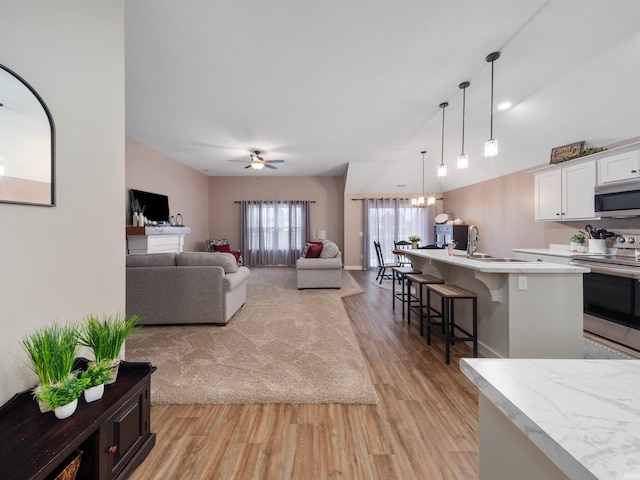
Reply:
x=425, y=426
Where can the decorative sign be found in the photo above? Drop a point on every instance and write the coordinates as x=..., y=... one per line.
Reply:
x=567, y=152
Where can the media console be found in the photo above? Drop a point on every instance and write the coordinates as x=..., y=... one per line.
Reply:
x=113, y=433
x=156, y=239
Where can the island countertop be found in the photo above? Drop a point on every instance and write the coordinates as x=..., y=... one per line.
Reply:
x=459, y=258
x=584, y=415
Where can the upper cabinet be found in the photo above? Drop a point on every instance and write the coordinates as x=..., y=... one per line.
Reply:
x=565, y=193
x=622, y=166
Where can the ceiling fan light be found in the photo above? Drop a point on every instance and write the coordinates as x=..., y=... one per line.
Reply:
x=491, y=147
x=463, y=161
x=257, y=166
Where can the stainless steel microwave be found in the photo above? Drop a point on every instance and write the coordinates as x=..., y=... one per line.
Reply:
x=619, y=199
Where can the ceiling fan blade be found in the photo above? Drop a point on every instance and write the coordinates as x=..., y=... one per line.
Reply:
x=270, y=166
x=248, y=166
x=274, y=161
x=244, y=160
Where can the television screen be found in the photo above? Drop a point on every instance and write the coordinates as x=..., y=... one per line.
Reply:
x=156, y=206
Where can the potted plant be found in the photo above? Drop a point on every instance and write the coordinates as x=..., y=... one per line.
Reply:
x=62, y=397
x=414, y=239
x=105, y=337
x=578, y=243
x=52, y=351
x=94, y=378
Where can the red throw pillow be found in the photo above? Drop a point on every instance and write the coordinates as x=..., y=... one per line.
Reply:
x=314, y=250
x=222, y=248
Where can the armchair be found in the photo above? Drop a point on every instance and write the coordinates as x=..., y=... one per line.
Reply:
x=222, y=245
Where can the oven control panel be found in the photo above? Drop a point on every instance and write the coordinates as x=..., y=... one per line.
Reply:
x=627, y=241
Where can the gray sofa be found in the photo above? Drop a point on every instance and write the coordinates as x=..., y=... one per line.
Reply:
x=189, y=287
x=322, y=272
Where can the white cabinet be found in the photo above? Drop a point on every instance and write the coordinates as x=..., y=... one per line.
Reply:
x=622, y=166
x=565, y=193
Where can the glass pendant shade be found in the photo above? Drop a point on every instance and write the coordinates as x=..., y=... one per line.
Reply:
x=491, y=147
x=431, y=201
x=442, y=170
x=463, y=161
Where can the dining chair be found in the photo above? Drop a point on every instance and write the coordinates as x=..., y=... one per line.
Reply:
x=382, y=266
x=401, y=259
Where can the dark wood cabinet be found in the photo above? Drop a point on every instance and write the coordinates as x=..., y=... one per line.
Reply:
x=113, y=433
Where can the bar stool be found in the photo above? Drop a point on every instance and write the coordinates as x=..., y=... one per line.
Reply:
x=400, y=274
x=448, y=293
x=415, y=302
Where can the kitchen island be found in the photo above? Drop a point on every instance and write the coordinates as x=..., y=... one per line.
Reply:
x=557, y=419
x=525, y=309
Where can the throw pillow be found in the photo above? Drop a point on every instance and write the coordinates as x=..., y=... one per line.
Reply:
x=305, y=250
x=314, y=250
x=329, y=249
x=222, y=248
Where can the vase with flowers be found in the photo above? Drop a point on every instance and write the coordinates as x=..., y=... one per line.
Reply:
x=414, y=239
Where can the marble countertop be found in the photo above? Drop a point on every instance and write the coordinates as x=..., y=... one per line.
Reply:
x=584, y=415
x=550, y=251
x=460, y=259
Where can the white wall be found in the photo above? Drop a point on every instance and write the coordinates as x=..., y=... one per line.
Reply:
x=61, y=263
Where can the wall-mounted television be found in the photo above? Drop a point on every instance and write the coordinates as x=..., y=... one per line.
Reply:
x=156, y=206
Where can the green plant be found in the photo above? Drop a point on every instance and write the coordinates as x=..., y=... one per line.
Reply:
x=52, y=351
x=105, y=336
x=414, y=238
x=96, y=373
x=578, y=238
x=61, y=393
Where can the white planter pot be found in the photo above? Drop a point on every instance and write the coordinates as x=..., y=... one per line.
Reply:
x=66, y=411
x=94, y=393
x=414, y=245
x=113, y=376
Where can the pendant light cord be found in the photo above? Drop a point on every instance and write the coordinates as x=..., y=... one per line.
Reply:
x=491, y=128
x=443, y=105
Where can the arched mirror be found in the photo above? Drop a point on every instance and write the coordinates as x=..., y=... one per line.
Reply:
x=27, y=144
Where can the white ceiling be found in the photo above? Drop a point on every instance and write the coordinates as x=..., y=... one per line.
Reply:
x=355, y=84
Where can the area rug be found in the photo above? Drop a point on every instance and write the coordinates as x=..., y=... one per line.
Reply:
x=284, y=346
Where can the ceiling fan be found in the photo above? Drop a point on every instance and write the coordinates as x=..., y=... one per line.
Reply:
x=257, y=162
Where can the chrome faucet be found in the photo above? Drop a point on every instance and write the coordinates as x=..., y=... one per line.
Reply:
x=472, y=239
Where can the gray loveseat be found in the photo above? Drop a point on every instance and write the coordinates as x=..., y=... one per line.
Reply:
x=189, y=287
x=322, y=272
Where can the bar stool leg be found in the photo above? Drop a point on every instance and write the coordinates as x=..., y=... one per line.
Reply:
x=421, y=286
x=447, y=330
x=475, y=327
x=428, y=316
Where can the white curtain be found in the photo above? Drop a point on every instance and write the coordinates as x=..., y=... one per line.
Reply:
x=274, y=232
x=387, y=220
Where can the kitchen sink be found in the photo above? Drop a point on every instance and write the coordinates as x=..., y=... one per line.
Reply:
x=480, y=256
x=502, y=259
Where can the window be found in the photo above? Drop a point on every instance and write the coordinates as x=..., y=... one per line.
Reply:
x=394, y=219
x=274, y=232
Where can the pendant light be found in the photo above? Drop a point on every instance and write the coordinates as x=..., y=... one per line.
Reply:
x=463, y=158
x=491, y=145
x=442, y=168
x=419, y=202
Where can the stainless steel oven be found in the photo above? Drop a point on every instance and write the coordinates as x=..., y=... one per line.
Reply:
x=611, y=292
